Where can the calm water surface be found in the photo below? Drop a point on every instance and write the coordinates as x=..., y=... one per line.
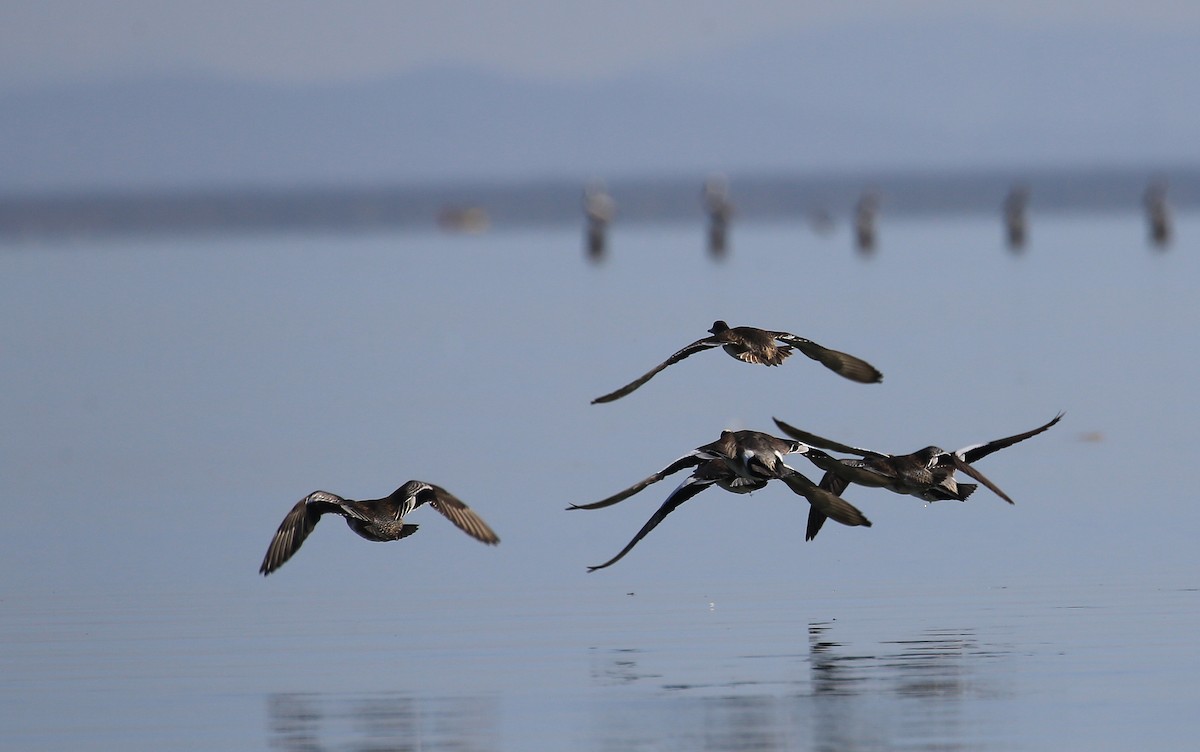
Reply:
x=166, y=401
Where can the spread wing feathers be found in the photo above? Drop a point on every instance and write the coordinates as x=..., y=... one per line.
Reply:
x=816, y=519
x=701, y=344
x=979, y=451
x=297, y=525
x=817, y=441
x=829, y=504
x=757, y=357
x=686, y=490
x=843, y=364
x=690, y=460
x=834, y=484
x=463, y=517
x=961, y=464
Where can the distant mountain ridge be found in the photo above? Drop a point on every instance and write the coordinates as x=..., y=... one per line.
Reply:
x=886, y=97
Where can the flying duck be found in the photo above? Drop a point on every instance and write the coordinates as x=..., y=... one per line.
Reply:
x=375, y=519
x=752, y=458
x=739, y=462
x=760, y=346
x=927, y=473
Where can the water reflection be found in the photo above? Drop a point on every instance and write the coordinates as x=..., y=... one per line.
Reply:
x=937, y=663
x=919, y=692
x=935, y=677
x=380, y=723
x=617, y=667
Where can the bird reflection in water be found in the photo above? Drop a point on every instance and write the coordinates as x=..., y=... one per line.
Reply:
x=937, y=663
x=913, y=692
x=310, y=722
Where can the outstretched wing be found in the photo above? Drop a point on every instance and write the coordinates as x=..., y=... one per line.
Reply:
x=834, y=484
x=690, y=460
x=843, y=364
x=817, y=441
x=463, y=517
x=827, y=503
x=971, y=471
x=297, y=525
x=977, y=452
x=686, y=490
x=697, y=346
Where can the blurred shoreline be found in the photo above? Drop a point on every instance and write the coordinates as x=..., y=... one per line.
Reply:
x=478, y=206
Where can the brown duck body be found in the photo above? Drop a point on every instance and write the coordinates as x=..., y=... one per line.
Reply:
x=749, y=344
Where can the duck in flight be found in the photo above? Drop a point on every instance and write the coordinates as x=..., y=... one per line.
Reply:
x=760, y=346
x=927, y=473
x=374, y=519
x=739, y=462
x=753, y=457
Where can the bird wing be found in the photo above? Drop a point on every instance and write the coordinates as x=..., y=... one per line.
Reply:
x=463, y=517
x=976, y=452
x=297, y=525
x=690, y=460
x=834, y=484
x=686, y=490
x=697, y=346
x=843, y=364
x=962, y=464
x=833, y=446
x=829, y=504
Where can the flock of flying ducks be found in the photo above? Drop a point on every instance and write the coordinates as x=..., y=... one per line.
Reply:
x=739, y=462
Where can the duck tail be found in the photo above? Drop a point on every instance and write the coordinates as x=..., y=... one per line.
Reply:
x=781, y=354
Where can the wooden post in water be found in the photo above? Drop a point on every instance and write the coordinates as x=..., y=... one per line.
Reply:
x=599, y=210
x=1016, y=224
x=1158, y=214
x=719, y=209
x=866, y=214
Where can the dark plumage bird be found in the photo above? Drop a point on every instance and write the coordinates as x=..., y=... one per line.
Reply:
x=739, y=462
x=927, y=473
x=753, y=458
x=760, y=346
x=374, y=519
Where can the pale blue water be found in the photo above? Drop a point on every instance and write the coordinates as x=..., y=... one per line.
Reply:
x=166, y=401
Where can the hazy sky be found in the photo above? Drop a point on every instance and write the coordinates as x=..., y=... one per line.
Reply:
x=299, y=40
